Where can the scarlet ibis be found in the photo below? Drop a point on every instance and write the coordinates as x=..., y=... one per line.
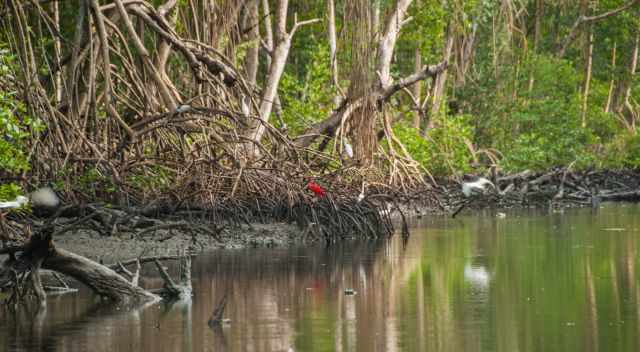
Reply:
x=475, y=187
x=316, y=188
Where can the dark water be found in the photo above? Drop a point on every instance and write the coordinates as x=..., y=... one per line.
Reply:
x=529, y=282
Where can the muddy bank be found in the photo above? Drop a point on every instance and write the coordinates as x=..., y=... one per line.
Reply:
x=109, y=249
x=108, y=234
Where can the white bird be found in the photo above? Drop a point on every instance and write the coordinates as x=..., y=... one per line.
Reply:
x=475, y=187
x=183, y=108
x=347, y=148
x=16, y=203
x=43, y=197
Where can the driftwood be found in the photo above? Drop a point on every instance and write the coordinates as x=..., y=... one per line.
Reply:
x=40, y=252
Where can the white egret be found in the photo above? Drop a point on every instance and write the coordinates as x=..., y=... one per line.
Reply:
x=477, y=186
x=471, y=187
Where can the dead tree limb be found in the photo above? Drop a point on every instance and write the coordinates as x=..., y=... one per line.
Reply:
x=573, y=33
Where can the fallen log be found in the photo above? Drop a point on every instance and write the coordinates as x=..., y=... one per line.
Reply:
x=41, y=253
x=621, y=196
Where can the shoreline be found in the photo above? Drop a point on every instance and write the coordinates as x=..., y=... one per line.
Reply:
x=110, y=249
x=557, y=188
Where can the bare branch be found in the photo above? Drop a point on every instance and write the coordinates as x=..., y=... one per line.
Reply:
x=297, y=25
x=573, y=33
x=427, y=71
x=388, y=41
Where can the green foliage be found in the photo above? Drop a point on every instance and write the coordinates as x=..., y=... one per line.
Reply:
x=309, y=98
x=9, y=191
x=15, y=125
x=426, y=30
x=444, y=151
x=541, y=126
x=157, y=179
x=16, y=128
x=93, y=182
x=624, y=151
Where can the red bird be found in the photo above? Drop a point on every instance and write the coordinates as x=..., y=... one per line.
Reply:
x=316, y=188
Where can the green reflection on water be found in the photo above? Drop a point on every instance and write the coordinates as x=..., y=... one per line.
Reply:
x=537, y=282
x=529, y=282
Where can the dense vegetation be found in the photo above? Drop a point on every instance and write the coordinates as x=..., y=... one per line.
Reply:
x=183, y=96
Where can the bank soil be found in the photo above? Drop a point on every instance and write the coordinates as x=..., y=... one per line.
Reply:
x=109, y=249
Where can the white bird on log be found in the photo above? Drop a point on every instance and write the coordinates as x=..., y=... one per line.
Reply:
x=477, y=186
x=473, y=186
x=42, y=198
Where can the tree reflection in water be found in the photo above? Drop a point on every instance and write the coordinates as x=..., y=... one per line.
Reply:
x=528, y=282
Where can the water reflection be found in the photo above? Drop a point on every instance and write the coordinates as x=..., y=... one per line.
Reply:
x=528, y=282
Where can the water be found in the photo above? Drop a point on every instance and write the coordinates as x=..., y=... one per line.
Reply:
x=529, y=282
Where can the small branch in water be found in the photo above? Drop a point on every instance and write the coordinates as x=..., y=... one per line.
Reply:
x=462, y=206
x=218, y=311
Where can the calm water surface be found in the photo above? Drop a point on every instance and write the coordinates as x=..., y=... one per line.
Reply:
x=535, y=281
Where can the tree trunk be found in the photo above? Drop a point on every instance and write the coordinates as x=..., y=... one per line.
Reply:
x=251, y=61
x=364, y=119
x=57, y=52
x=621, y=98
x=465, y=53
x=279, y=57
x=612, y=84
x=366, y=98
x=633, y=66
x=417, y=90
x=587, y=81
x=588, y=57
x=333, y=49
x=387, y=43
x=537, y=33
x=438, y=89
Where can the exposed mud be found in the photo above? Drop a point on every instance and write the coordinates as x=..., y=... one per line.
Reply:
x=554, y=188
x=109, y=249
